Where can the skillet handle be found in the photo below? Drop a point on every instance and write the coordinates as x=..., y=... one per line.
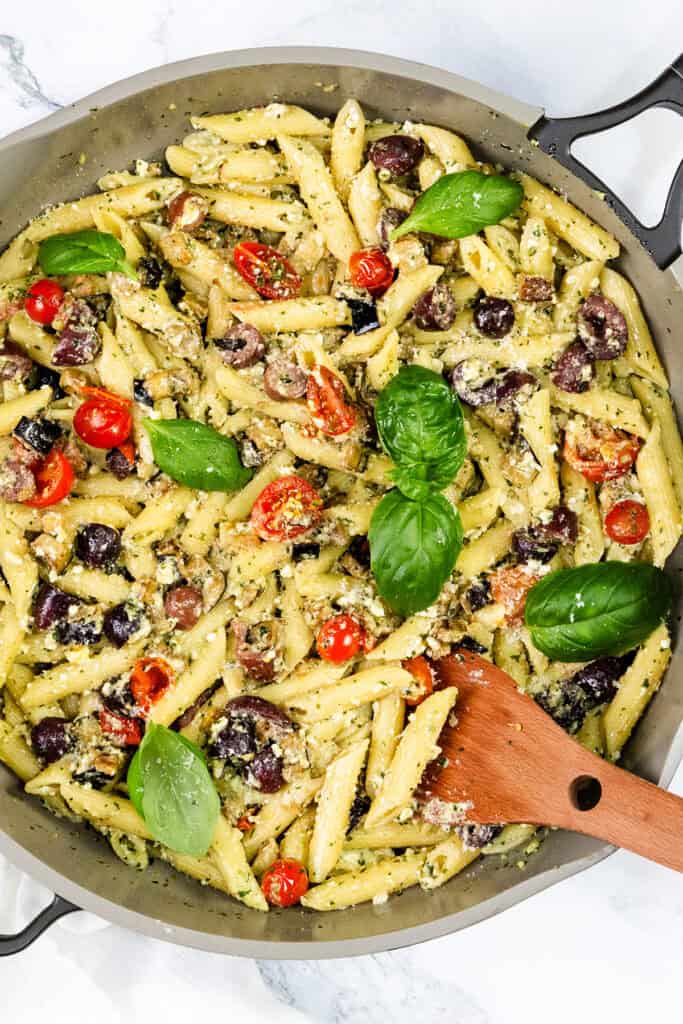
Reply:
x=557, y=135
x=10, y=944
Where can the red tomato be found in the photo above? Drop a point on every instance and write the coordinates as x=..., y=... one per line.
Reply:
x=269, y=273
x=54, y=479
x=43, y=300
x=286, y=508
x=627, y=522
x=126, y=732
x=326, y=399
x=149, y=680
x=421, y=670
x=599, y=452
x=371, y=269
x=284, y=883
x=104, y=420
x=340, y=638
x=510, y=587
x=244, y=823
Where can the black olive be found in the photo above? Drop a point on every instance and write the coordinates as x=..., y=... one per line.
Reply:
x=38, y=433
x=140, y=392
x=150, y=272
x=119, y=625
x=43, y=376
x=51, y=605
x=475, y=836
x=470, y=644
x=118, y=464
x=305, y=550
x=98, y=545
x=50, y=738
x=364, y=316
x=78, y=631
x=91, y=777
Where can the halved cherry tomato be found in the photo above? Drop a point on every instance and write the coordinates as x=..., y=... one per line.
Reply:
x=627, y=522
x=285, y=882
x=340, y=638
x=149, y=681
x=269, y=273
x=326, y=400
x=43, y=300
x=244, y=823
x=371, y=269
x=286, y=508
x=510, y=587
x=598, y=451
x=103, y=420
x=421, y=670
x=54, y=479
x=126, y=732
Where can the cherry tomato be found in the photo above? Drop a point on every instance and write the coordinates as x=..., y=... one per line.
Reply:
x=599, y=452
x=43, y=300
x=326, y=400
x=269, y=273
x=104, y=420
x=149, y=680
x=340, y=638
x=421, y=670
x=510, y=587
x=627, y=522
x=54, y=479
x=371, y=269
x=286, y=508
x=244, y=823
x=285, y=882
x=126, y=732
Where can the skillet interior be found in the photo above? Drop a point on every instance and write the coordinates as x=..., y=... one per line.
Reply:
x=78, y=864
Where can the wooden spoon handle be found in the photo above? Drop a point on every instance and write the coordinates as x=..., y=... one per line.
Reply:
x=629, y=812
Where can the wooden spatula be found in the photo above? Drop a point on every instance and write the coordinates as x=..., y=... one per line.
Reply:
x=508, y=761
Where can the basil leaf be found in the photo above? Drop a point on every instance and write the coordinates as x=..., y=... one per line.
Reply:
x=421, y=425
x=170, y=785
x=413, y=548
x=462, y=204
x=197, y=455
x=83, y=252
x=595, y=610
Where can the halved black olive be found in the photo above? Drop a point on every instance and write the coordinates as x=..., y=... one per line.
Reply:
x=363, y=316
x=38, y=433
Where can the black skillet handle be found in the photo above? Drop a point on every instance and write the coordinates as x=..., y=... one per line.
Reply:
x=10, y=944
x=556, y=136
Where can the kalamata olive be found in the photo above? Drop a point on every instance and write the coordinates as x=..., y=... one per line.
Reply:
x=435, y=310
x=494, y=317
x=83, y=632
x=187, y=211
x=598, y=680
x=541, y=541
x=509, y=383
x=50, y=738
x=528, y=546
x=184, y=605
x=150, y=272
x=308, y=549
x=98, y=545
x=464, y=378
x=396, y=154
x=241, y=346
x=563, y=525
x=39, y=433
x=251, y=706
x=535, y=289
x=264, y=771
x=118, y=463
x=602, y=327
x=364, y=316
x=237, y=739
x=43, y=376
x=475, y=836
x=359, y=807
x=78, y=341
x=120, y=624
x=391, y=218
x=51, y=605
x=14, y=363
x=573, y=370
x=140, y=392
x=284, y=380
x=478, y=594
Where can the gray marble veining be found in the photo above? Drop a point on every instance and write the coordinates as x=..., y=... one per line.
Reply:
x=18, y=76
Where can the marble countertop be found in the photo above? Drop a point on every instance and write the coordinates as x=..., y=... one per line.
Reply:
x=605, y=945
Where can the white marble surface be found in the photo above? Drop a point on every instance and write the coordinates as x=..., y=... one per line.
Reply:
x=605, y=946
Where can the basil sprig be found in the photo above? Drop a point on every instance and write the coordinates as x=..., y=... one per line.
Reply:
x=170, y=787
x=83, y=252
x=462, y=204
x=595, y=610
x=415, y=533
x=196, y=455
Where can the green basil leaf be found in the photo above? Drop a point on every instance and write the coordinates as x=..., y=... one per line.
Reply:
x=462, y=204
x=413, y=548
x=83, y=252
x=170, y=786
x=421, y=426
x=595, y=610
x=197, y=455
